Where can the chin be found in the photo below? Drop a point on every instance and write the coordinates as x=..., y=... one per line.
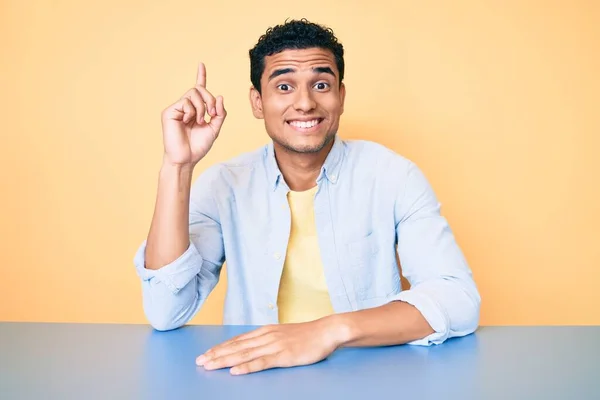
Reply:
x=312, y=146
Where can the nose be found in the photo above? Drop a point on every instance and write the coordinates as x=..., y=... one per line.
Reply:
x=304, y=100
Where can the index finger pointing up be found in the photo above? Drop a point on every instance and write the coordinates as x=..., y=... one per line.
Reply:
x=201, y=77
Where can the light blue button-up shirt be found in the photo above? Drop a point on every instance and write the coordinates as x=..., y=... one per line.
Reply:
x=370, y=204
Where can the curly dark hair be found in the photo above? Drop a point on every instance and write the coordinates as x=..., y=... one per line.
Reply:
x=294, y=34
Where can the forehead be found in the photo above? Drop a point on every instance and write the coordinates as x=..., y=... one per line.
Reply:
x=300, y=60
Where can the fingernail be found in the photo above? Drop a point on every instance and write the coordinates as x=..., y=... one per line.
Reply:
x=234, y=371
x=213, y=111
x=200, y=360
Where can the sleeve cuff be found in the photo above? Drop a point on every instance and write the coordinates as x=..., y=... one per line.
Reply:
x=175, y=275
x=434, y=315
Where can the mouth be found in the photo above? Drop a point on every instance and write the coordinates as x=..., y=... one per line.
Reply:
x=305, y=125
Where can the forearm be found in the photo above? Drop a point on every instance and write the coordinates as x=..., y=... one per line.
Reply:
x=391, y=324
x=169, y=231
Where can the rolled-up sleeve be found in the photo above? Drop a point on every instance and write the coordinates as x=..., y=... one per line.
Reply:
x=442, y=286
x=174, y=293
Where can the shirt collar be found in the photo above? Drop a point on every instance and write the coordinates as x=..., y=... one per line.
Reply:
x=330, y=169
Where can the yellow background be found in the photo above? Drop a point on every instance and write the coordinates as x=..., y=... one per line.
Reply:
x=497, y=101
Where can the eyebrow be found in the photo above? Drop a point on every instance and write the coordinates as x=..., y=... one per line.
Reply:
x=316, y=70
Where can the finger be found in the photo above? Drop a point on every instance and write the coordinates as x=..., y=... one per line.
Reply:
x=232, y=347
x=258, y=364
x=185, y=110
x=209, y=100
x=174, y=111
x=201, y=75
x=248, y=335
x=240, y=357
x=198, y=102
x=216, y=122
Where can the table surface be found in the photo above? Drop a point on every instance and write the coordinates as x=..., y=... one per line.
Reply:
x=97, y=361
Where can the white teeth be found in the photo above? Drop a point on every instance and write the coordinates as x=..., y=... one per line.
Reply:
x=304, y=124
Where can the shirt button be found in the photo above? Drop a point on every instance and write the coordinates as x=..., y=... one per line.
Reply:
x=277, y=256
x=271, y=306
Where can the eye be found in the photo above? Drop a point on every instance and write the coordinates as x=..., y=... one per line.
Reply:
x=284, y=87
x=322, y=86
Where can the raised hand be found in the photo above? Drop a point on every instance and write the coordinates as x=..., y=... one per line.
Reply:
x=187, y=135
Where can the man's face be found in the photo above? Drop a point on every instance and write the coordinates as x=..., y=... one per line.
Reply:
x=301, y=100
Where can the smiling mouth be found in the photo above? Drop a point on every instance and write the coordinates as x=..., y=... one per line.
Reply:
x=305, y=126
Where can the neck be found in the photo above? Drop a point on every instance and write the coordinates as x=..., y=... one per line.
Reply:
x=300, y=170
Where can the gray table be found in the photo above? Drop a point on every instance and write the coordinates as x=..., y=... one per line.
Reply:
x=88, y=361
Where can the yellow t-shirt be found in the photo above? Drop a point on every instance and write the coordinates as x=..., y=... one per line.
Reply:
x=303, y=294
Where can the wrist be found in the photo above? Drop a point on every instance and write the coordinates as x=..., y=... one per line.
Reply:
x=175, y=177
x=339, y=329
x=171, y=169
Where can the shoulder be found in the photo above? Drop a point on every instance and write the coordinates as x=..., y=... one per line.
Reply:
x=386, y=172
x=376, y=157
x=376, y=166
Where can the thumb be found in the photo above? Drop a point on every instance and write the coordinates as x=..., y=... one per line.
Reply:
x=217, y=121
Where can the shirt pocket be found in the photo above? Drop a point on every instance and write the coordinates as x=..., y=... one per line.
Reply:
x=361, y=251
x=359, y=266
x=369, y=270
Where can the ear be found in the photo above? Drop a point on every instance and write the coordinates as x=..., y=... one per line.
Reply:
x=342, y=97
x=256, y=103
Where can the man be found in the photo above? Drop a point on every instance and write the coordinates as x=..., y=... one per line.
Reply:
x=309, y=224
